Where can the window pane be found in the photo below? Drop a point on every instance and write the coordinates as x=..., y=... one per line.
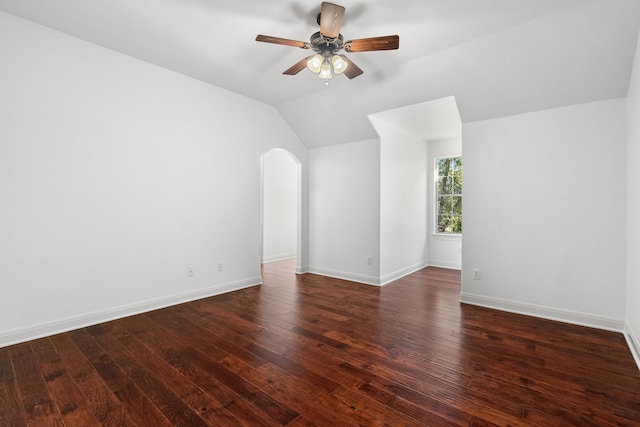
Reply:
x=457, y=182
x=445, y=185
x=444, y=166
x=449, y=224
x=445, y=205
x=440, y=208
x=443, y=222
x=451, y=202
x=456, y=209
x=455, y=225
x=456, y=164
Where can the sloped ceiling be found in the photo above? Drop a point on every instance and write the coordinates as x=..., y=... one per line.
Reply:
x=430, y=120
x=496, y=57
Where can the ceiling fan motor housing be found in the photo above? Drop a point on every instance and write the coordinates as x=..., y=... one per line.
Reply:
x=325, y=45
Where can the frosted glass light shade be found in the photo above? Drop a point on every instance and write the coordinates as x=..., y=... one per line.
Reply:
x=339, y=64
x=325, y=71
x=315, y=63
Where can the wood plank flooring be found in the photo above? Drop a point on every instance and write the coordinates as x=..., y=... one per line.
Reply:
x=312, y=351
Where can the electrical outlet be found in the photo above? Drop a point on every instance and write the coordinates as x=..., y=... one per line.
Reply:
x=476, y=274
x=220, y=266
x=190, y=271
x=369, y=260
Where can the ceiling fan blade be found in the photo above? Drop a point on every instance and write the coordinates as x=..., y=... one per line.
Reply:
x=331, y=19
x=286, y=42
x=297, y=67
x=352, y=70
x=373, y=43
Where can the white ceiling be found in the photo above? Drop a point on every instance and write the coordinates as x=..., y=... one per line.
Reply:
x=496, y=57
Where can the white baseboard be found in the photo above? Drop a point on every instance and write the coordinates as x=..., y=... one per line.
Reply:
x=445, y=264
x=566, y=316
x=633, y=343
x=16, y=336
x=388, y=278
x=336, y=274
x=367, y=280
x=281, y=257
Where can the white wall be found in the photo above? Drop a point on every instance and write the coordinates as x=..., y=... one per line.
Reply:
x=344, y=211
x=403, y=201
x=545, y=215
x=280, y=206
x=115, y=175
x=444, y=251
x=633, y=210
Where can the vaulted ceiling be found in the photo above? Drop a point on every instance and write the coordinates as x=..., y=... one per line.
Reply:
x=496, y=57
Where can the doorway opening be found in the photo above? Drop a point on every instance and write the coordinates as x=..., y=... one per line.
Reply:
x=280, y=209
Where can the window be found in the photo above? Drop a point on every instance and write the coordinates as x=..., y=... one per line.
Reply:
x=449, y=195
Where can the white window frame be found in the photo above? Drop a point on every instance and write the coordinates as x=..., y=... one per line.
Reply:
x=437, y=233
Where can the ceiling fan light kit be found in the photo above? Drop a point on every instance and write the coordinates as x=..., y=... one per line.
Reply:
x=325, y=67
x=328, y=42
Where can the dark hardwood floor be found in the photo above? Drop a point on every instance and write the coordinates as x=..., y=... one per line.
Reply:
x=313, y=351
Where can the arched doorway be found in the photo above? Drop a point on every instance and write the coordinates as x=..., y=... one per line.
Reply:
x=280, y=207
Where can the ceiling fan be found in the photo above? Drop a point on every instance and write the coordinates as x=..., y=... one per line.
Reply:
x=328, y=42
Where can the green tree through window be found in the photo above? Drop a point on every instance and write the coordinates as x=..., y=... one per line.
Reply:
x=449, y=195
